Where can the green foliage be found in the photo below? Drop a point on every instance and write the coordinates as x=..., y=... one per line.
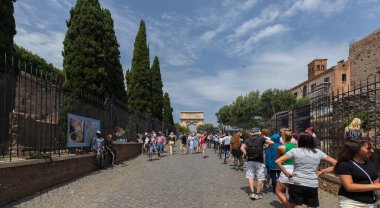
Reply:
x=115, y=77
x=304, y=101
x=7, y=27
x=253, y=109
x=84, y=58
x=168, y=110
x=157, y=92
x=182, y=129
x=138, y=77
x=39, y=64
x=205, y=127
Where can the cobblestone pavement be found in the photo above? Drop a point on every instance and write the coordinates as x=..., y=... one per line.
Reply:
x=172, y=181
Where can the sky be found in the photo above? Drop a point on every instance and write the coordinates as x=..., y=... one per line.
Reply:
x=212, y=51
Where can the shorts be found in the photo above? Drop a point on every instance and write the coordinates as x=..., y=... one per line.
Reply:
x=350, y=203
x=299, y=195
x=255, y=169
x=283, y=179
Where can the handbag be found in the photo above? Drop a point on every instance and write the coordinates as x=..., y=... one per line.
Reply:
x=376, y=196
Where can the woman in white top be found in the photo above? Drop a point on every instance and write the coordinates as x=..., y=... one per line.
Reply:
x=303, y=182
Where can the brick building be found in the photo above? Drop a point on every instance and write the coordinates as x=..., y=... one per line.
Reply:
x=322, y=80
x=364, y=56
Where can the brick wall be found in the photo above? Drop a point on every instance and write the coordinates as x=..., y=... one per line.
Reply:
x=23, y=178
x=364, y=57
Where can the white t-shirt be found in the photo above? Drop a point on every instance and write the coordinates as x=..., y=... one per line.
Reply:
x=305, y=166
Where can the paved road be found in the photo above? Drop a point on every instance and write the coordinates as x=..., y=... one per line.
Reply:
x=172, y=181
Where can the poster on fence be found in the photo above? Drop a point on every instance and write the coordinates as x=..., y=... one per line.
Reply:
x=81, y=130
x=301, y=119
x=282, y=121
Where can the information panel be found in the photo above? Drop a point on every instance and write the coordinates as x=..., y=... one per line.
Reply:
x=282, y=121
x=81, y=130
x=301, y=119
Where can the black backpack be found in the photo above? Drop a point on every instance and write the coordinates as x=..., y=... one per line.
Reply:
x=254, y=148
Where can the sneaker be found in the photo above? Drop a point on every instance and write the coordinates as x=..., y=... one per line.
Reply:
x=259, y=195
x=253, y=196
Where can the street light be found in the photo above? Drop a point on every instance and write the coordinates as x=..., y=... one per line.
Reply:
x=162, y=123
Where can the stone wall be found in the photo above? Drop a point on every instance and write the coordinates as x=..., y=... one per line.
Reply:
x=364, y=56
x=23, y=178
x=330, y=183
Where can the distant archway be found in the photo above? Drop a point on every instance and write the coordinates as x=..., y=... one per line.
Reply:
x=191, y=117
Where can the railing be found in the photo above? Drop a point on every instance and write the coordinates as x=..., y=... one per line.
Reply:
x=34, y=107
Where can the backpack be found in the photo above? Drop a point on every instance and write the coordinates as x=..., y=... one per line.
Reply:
x=353, y=133
x=254, y=148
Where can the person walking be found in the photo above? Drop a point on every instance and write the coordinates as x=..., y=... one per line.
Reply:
x=110, y=149
x=358, y=175
x=303, y=186
x=203, y=142
x=283, y=181
x=160, y=143
x=183, y=145
x=270, y=158
x=172, y=139
x=149, y=146
x=252, y=148
x=236, y=152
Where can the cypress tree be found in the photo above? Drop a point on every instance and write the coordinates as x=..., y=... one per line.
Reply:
x=7, y=75
x=168, y=110
x=7, y=27
x=157, y=93
x=115, y=78
x=139, y=80
x=84, y=54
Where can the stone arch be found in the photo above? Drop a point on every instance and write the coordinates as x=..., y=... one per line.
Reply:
x=191, y=117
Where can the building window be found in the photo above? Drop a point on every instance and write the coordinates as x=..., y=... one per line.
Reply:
x=327, y=79
x=313, y=86
x=344, y=77
x=295, y=94
x=304, y=91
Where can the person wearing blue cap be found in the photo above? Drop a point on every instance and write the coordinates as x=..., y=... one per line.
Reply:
x=270, y=158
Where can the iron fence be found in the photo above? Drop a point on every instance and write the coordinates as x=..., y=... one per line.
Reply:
x=331, y=112
x=34, y=107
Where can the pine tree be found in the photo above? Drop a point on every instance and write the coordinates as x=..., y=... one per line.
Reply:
x=157, y=93
x=168, y=110
x=139, y=79
x=7, y=27
x=115, y=78
x=84, y=57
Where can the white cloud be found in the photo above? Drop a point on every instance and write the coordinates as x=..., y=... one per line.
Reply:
x=246, y=46
x=47, y=44
x=326, y=7
x=279, y=67
x=267, y=16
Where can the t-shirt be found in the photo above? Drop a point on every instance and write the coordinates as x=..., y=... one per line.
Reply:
x=305, y=166
x=358, y=176
x=262, y=141
x=227, y=140
x=183, y=139
x=160, y=140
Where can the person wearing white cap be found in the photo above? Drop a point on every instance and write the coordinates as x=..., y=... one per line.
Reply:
x=253, y=148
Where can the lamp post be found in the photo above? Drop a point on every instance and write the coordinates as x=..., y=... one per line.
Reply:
x=162, y=123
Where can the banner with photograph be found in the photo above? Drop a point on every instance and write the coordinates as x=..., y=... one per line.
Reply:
x=81, y=130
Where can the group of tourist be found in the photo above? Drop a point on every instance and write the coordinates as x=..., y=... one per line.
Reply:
x=156, y=142
x=291, y=162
